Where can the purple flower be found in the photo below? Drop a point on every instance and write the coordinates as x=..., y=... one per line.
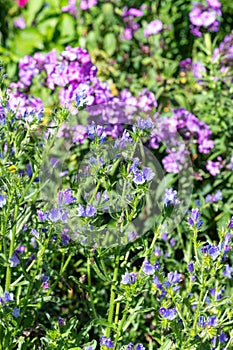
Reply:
x=157, y=282
x=174, y=277
x=130, y=346
x=191, y=267
x=35, y=233
x=2, y=201
x=66, y=196
x=222, y=337
x=193, y=219
x=213, y=252
x=128, y=278
x=153, y=27
x=170, y=196
x=87, y=4
x=228, y=271
x=132, y=12
x=201, y=321
x=212, y=321
x=230, y=225
x=169, y=314
x=145, y=123
x=214, y=167
x=8, y=296
x=142, y=176
x=14, y=260
x=20, y=23
x=71, y=8
x=148, y=269
x=140, y=347
x=90, y=211
x=107, y=342
x=55, y=215
x=61, y=321
x=16, y=312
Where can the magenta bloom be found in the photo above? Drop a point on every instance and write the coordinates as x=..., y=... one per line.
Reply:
x=22, y=3
x=87, y=4
x=153, y=27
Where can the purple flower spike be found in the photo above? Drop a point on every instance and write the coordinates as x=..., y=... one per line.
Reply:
x=193, y=219
x=148, y=269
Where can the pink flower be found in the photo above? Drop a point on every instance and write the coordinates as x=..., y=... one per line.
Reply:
x=153, y=27
x=22, y=3
x=214, y=167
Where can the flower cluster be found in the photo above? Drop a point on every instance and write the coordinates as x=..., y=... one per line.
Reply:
x=181, y=123
x=128, y=16
x=206, y=17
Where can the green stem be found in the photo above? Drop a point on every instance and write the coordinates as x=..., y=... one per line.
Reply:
x=11, y=251
x=121, y=324
x=203, y=280
x=112, y=294
x=90, y=286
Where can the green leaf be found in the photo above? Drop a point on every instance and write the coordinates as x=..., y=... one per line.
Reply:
x=167, y=345
x=110, y=43
x=27, y=41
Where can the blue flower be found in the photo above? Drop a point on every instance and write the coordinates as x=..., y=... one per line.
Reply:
x=130, y=346
x=61, y=321
x=14, y=260
x=169, y=314
x=55, y=215
x=191, y=267
x=212, y=321
x=145, y=123
x=107, y=342
x=8, y=296
x=2, y=201
x=90, y=211
x=128, y=278
x=174, y=277
x=230, y=225
x=148, y=269
x=201, y=321
x=170, y=197
x=16, y=312
x=142, y=176
x=213, y=252
x=193, y=219
x=140, y=347
x=222, y=337
x=66, y=196
x=228, y=271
